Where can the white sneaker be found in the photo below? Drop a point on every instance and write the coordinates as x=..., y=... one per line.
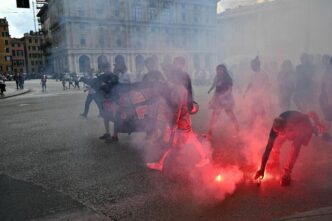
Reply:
x=155, y=166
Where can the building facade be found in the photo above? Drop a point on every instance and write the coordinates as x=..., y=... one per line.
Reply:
x=86, y=34
x=280, y=29
x=5, y=51
x=18, y=55
x=34, y=55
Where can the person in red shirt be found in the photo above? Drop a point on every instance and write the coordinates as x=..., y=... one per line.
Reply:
x=180, y=100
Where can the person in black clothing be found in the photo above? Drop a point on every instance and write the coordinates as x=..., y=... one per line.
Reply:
x=153, y=74
x=21, y=81
x=178, y=76
x=108, y=81
x=296, y=127
x=16, y=80
x=304, y=95
x=76, y=81
x=43, y=82
x=222, y=98
x=2, y=84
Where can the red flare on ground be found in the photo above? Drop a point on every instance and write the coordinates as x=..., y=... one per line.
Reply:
x=219, y=178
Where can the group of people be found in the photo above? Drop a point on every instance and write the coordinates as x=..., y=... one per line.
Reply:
x=164, y=95
x=19, y=80
x=174, y=88
x=72, y=79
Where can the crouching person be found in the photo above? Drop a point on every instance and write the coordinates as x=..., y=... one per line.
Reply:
x=293, y=126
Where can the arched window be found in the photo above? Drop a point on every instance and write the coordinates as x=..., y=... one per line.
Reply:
x=84, y=64
x=102, y=59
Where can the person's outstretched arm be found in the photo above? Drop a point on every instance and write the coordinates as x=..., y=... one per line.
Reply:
x=272, y=137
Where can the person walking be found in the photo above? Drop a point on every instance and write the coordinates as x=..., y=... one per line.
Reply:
x=43, y=83
x=222, y=98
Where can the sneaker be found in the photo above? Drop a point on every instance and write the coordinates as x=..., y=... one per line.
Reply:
x=155, y=166
x=286, y=180
x=112, y=139
x=105, y=136
x=83, y=115
x=115, y=139
x=203, y=162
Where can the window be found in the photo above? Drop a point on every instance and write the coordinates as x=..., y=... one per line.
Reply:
x=29, y=48
x=183, y=15
x=116, y=12
x=7, y=50
x=32, y=63
x=6, y=42
x=13, y=52
x=36, y=40
x=19, y=45
x=33, y=48
x=83, y=41
x=80, y=12
x=119, y=42
x=166, y=15
x=30, y=40
x=137, y=12
x=8, y=58
x=152, y=13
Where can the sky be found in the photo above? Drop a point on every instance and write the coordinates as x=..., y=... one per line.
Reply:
x=20, y=20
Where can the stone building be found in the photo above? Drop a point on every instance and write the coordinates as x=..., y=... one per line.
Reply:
x=5, y=52
x=276, y=30
x=85, y=34
x=34, y=55
x=18, y=55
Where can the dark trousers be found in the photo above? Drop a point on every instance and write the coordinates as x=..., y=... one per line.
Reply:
x=88, y=101
x=43, y=87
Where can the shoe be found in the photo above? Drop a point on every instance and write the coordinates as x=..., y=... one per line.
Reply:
x=112, y=139
x=286, y=180
x=105, y=136
x=83, y=115
x=115, y=139
x=203, y=162
x=155, y=166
